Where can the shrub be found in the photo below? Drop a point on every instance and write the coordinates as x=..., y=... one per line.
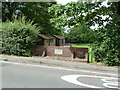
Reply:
x=106, y=48
x=18, y=36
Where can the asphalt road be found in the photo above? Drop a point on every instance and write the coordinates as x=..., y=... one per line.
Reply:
x=16, y=75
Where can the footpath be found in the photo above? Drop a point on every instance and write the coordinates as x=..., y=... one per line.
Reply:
x=59, y=63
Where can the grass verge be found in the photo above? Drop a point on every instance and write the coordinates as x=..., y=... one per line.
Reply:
x=86, y=45
x=5, y=59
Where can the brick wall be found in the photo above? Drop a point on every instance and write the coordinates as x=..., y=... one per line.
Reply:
x=61, y=51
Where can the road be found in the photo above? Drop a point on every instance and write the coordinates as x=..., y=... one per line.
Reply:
x=15, y=75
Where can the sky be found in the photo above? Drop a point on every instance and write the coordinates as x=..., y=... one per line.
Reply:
x=63, y=2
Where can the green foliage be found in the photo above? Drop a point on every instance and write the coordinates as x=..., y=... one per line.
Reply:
x=27, y=52
x=80, y=34
x=106, y=48
x=18, y=36
x=77, y=15
x=34, y=11
x=9, y=8
x=37, y=11
x=72, y=13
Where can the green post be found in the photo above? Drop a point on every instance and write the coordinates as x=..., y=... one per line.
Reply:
x=91, y=57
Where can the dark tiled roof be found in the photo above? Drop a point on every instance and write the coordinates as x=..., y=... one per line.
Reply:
x=46, y=36
x=59, y=37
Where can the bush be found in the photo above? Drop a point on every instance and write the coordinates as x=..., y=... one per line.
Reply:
x=106, y=48
x=107, y=57
x=18, y=36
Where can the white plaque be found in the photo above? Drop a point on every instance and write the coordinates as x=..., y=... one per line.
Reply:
x=58, y=51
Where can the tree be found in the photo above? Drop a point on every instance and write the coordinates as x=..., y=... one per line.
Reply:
x=73, y=13
x=107, y=49
x=18, y=36
x=80, y=34
x=0, y=12
x=8, y=9
x=35, y=11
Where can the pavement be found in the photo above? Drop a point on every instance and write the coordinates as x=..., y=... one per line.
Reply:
x=60, y=63
x=31, y=72
x=22, y=75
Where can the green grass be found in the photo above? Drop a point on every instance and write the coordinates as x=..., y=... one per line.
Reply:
x=5, y=59
x=85, y=45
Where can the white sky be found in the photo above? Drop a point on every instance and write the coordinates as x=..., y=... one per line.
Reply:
x=63, y=2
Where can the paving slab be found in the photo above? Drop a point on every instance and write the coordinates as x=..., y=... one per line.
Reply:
x=62, y=63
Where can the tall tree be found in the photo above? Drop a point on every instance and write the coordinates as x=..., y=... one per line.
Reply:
x=78, y=15
x=107, y=47
x=8, y=9
x=38, y=12
x=80, y=34
x=73, y=13
x=34, y=11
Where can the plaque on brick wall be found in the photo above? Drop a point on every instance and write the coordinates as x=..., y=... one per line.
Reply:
x=58, y=51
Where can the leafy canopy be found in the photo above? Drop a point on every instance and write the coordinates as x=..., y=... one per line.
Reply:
x=34, y=11
x=107, y=45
